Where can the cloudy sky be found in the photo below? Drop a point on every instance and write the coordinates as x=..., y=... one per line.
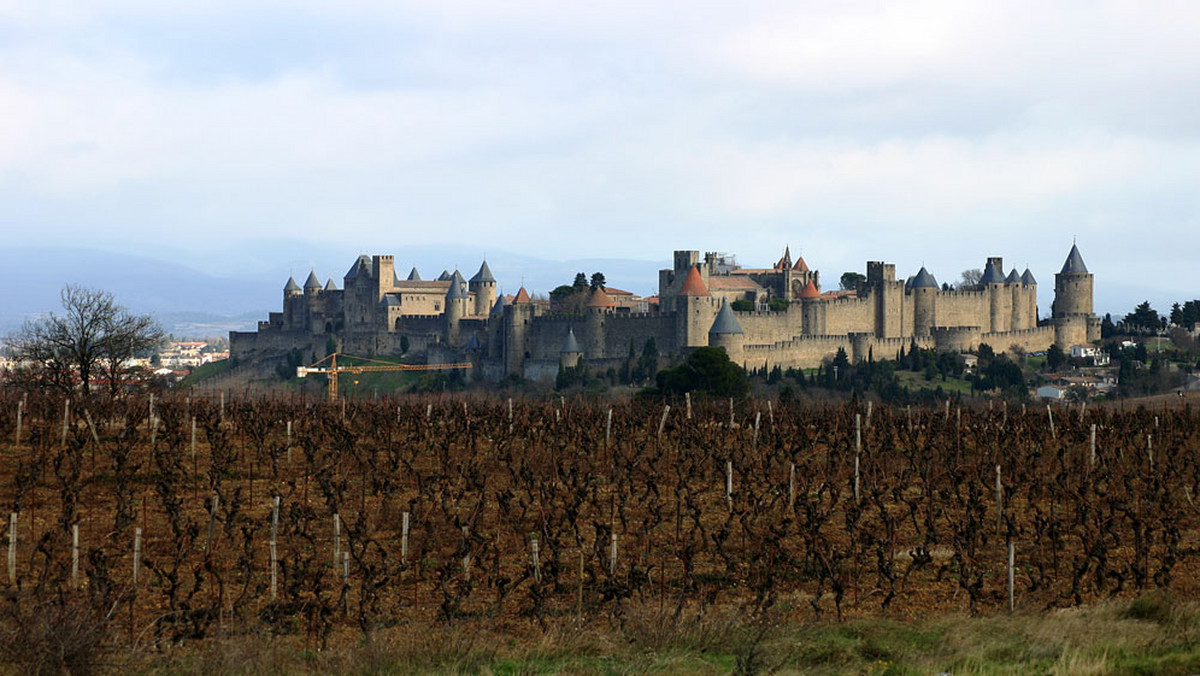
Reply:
x=932, y=133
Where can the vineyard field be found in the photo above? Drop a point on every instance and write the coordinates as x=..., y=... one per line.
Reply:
x=175, y=520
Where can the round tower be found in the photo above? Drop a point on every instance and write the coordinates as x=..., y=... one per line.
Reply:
x=1073, y=316
x=694, y=311
x=456, y=308
x=999, y=304
x=599, y=308
x=516, y=322
x=925, y=294
x=571, y=353
x=726, y=333
x=810, y=315
x=483, y=285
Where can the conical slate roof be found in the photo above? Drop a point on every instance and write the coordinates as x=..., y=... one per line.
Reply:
x=456, y=287
x=444, y=277
x=1012, y=277
x=923, y=279
x=693, y=284
x=570, y=344
x=1028, y=278
x=361, y=265
x=330, y=286
x=291, y=285
x=484, y=274
x=1074, y=264
x=810, y=291
x=473, y=343
x=785, y=262
x=992, y=275
x=312, y=282
x=498, y=306
x=413, y=275
x=726, y=322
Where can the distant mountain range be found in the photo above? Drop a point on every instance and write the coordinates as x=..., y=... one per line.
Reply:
x=190, y=303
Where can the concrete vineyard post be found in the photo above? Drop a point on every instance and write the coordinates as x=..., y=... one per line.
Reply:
x=66, y=418
x=537, y=564
x=1011, y=557
x=337, y=539
x=687, y=397
x=345, y=567
x=999, y=499
x=1050, y=417
x=731, y=411
x=1092, y=457
x=729, y=483
x=289, y=441
x=75, y=556
x=757, y=420
x=212, y=521
x=662, y=423
x=612, y=556
x=466, y=562
x=607, y=428
x=137, y=555
x=403, y=537
x=770, y=414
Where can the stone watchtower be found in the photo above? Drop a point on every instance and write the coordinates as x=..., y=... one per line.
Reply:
x=517, y=317
x=571, y=353
x=925, y=296
x=694, y=311
x=726, y=333
x=483, y=285
x=456, y=307
x=599, y=308
x=1074, y=321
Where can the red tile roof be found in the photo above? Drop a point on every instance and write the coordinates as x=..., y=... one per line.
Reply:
x=810, y=291
x=693, y=284
x=522, y=297
x=600, y=299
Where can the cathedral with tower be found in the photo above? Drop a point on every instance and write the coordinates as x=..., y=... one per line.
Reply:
x=761, y=317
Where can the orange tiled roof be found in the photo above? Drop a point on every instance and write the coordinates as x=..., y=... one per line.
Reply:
x=693, y=284
x=522, y=297
x=600, y=299
x=800, y=265
x=810, y=291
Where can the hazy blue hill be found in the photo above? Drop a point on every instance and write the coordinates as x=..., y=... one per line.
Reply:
x=142, y=284
x=193, y=303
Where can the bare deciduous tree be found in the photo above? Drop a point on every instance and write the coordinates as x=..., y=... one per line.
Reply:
x=94, y=336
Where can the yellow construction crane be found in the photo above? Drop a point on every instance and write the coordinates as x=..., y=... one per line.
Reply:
x=333, y=369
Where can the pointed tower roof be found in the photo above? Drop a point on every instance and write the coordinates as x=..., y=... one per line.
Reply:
x=522, y=297
x=924, y=279
x=693, y=284
x=362, y=265
x=484, y=274
x=991, y=275
x=600, y=299
x=570, y=344
x=291, y=284
x=413, y=275
x=444, y=277
x=498, y=306
x=456, y=287
x=785, y=262
x=1012, y=277
x=810, y=291
x=312, y=282
x=1074, y=264
x=1028, y=278
x=800, y=265
x=330, y=286
x=474, y=344
x=726, y=321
